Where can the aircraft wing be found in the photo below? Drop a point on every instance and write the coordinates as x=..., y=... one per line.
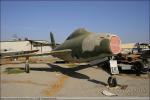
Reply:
x=11, y=53
x=42, y=54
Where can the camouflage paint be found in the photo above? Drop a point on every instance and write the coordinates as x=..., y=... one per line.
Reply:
x=87, y=46
x=52, y=40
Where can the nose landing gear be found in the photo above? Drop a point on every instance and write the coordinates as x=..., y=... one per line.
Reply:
x=112, y=82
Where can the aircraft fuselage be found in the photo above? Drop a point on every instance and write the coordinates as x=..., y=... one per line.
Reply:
x=87, y=46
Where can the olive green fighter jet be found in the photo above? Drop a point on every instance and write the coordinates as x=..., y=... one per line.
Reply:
x=84, y=46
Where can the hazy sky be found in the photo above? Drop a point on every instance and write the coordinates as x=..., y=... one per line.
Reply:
x=35, y=19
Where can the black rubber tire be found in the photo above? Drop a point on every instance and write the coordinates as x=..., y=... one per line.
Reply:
x=112, y=82
x=27, y=68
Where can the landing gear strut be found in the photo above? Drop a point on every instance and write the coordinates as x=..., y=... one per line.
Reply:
x=112, y=81
x=27, y=67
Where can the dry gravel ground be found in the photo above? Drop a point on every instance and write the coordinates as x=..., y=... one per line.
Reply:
x=46, y=80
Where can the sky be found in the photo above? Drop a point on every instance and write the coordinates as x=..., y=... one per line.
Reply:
x=36, y=19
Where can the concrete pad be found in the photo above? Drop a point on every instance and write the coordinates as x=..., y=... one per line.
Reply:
x=46, y=81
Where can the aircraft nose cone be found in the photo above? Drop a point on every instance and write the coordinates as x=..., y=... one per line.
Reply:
x=115, y=44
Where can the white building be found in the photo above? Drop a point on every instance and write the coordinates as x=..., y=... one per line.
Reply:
x=127, y=47
x=25, y=45
x=132, y=47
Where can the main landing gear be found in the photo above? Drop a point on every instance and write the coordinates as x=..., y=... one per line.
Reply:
x=27, y=67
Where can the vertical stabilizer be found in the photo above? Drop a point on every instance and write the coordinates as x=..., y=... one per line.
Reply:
x=52, y=40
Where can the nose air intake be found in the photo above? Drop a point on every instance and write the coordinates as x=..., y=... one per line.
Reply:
x=115, y=44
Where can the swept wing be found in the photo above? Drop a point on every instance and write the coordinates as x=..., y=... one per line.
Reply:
x=42, y=54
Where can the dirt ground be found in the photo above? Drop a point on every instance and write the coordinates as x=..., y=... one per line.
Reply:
x=50, y=80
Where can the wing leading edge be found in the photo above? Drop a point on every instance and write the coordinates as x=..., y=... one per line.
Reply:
x=43, y=54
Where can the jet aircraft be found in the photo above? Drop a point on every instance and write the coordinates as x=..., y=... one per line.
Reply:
x=83, y=46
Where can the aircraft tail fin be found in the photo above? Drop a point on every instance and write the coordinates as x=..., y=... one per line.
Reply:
x=52, y=40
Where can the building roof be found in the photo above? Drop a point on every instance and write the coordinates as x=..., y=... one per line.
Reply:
x=26, y=40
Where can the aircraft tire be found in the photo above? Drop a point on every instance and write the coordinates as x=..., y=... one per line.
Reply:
x=27, y=69
x=112, y=82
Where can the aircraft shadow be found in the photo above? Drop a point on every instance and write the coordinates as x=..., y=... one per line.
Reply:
x=67, y=71
x=71, y=72
x=79, y=67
